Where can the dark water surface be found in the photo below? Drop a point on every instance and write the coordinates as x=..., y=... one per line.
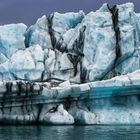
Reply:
x=69, y=132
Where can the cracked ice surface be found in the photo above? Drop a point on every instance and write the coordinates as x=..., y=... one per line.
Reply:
x=73, y=46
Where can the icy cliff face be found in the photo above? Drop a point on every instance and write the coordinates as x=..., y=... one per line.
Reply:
x=72, y=46
x=42, y=68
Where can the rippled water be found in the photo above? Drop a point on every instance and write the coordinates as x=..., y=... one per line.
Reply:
x=69, y=132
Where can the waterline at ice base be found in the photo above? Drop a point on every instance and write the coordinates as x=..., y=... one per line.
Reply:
x=72, y=68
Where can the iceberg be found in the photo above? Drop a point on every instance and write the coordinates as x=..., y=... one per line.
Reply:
x=72, y=68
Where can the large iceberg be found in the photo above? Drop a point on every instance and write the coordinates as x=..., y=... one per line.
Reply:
x=72, y=68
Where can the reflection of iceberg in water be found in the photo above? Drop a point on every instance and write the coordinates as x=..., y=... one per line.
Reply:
x=72, y=68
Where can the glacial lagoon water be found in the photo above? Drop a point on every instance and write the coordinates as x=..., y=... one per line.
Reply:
x=69, y=132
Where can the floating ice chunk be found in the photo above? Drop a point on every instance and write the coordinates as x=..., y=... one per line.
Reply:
x=61, y=116
x=85, y=117
x=82, y=116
